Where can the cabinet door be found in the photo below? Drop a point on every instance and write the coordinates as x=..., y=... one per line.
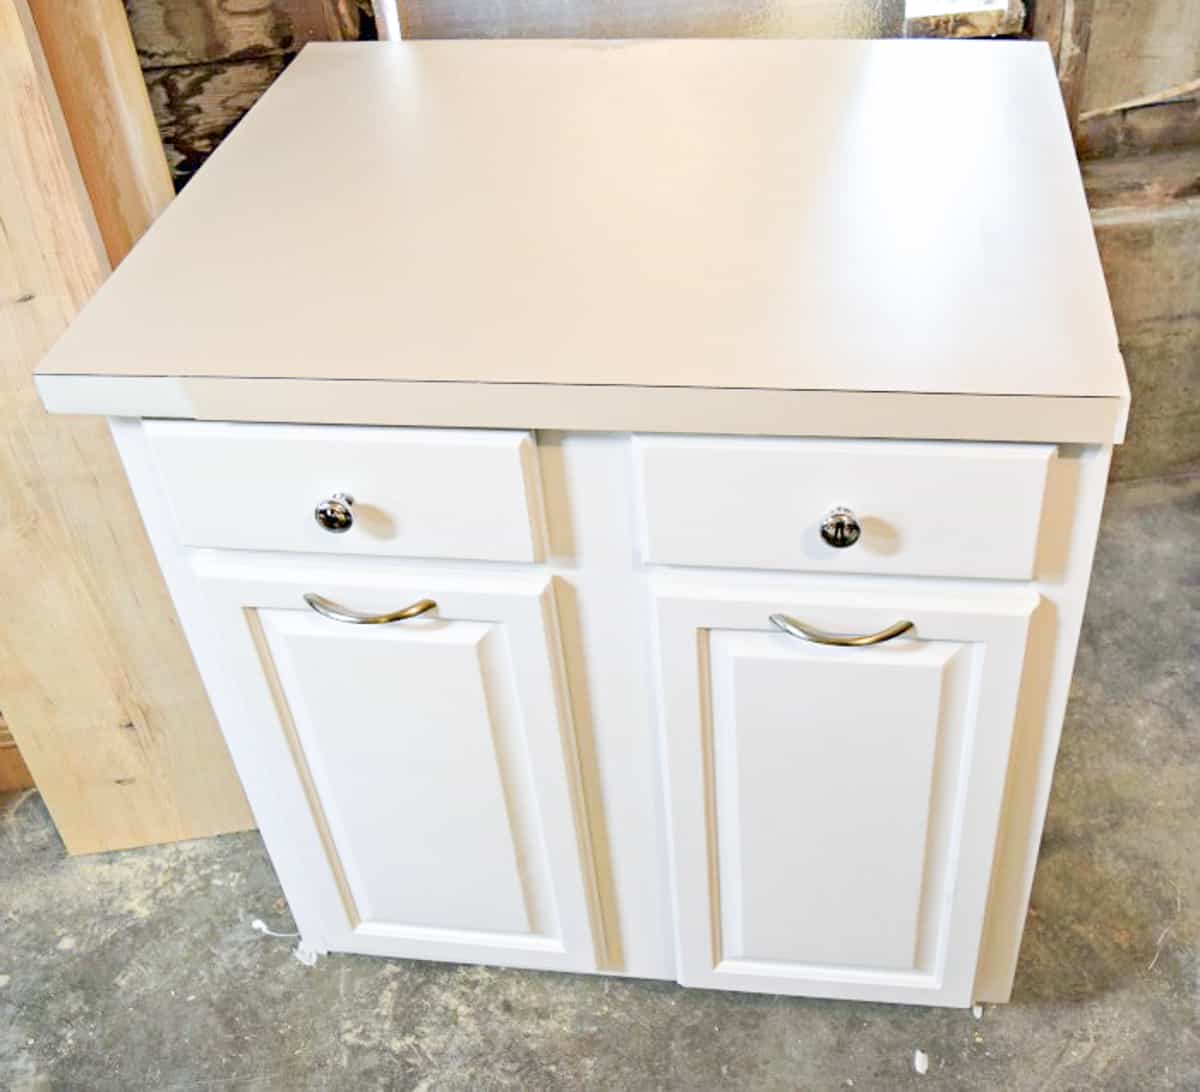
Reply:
x=834, y=810
x=416, y=782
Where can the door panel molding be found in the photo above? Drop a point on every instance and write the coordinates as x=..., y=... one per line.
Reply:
x=725, y=839
x=498, y=629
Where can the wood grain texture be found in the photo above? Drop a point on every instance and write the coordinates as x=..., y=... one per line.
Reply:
x=998, y=22
x=189, y=32
x=1046, y=22
x=197, y=105
x=14, y=774
x=1140, y=130
x=206, y=62
x=99, y=689
x=1073, y=55
x=92, y=61
x=1065, y=25
x=664, y=19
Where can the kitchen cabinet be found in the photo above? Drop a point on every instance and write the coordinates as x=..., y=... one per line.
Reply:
x=674, y=564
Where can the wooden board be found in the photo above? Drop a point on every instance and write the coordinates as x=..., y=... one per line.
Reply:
x=96, y=682
x=91, y=59
x=170, y=33
x=663, y=19
x=1173, y=122
x=1065, y=25
x=197, y=105
x=14, y=774
x=734, y=180
x=206, y=62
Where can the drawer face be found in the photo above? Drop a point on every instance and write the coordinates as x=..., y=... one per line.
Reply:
x=438, y=493
x=924, y=508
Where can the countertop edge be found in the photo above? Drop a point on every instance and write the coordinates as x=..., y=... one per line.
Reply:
x=723, y=411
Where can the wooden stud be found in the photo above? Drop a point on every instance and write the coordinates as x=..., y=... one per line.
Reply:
x=1066, y=26
x=1047, y=23
x=92, y=61
x=1073, y=53
x=96, y=682
x=323, y=20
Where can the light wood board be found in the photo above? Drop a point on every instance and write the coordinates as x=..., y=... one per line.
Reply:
x=14, y=774
x=99, y=84
x=96, y=683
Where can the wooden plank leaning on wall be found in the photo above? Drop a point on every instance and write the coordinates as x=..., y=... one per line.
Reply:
x=14, y=774
x=89, y=51
x=1066, y=26
x=96, y=682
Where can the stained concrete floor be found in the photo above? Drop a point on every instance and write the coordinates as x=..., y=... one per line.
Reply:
x=139, y=970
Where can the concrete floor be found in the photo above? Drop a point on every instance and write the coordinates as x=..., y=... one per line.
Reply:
x=139, y=970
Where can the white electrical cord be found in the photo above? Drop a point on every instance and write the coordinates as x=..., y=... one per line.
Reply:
x=261, y=926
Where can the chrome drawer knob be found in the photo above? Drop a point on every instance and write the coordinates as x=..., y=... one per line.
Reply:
x=334, y=514
x=840, y=528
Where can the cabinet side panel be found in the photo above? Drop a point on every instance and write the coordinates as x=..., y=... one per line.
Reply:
x=1074, y=500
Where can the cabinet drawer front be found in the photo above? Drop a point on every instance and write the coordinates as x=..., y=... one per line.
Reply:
x=834, y=810
x=439, y=493
x=925, y=508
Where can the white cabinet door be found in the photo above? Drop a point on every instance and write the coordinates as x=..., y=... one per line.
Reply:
x=834, y=810
x=416, y=782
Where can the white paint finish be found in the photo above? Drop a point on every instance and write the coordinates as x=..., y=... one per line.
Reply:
x=600, y=597
x=585, y=408
x=401, y=728
x=115, y=396
x=824, y=763
x=604, y=618
x=535, y=762
x=597, y=593
x=1076, y=496
x=711, y=214
x=417, y=492
x=926, y=509
x=975, y=712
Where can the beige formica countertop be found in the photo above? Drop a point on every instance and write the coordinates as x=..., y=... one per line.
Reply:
x=792, y=237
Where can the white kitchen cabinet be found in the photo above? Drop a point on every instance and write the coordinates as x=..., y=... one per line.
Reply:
x=833, y=810
x=608, y=395
x=432, y=763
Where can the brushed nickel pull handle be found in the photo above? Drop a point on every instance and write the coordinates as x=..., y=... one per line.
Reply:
x=327, y=608
x=790, y=626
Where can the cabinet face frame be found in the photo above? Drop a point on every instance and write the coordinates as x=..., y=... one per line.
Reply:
x=557, y=872
x=992, y=628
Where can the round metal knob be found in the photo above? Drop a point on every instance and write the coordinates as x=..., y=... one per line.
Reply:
x=334, y=514
x=840, y=528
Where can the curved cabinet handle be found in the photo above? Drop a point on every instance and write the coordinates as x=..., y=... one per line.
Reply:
x=327, y=608
x=790, y=626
